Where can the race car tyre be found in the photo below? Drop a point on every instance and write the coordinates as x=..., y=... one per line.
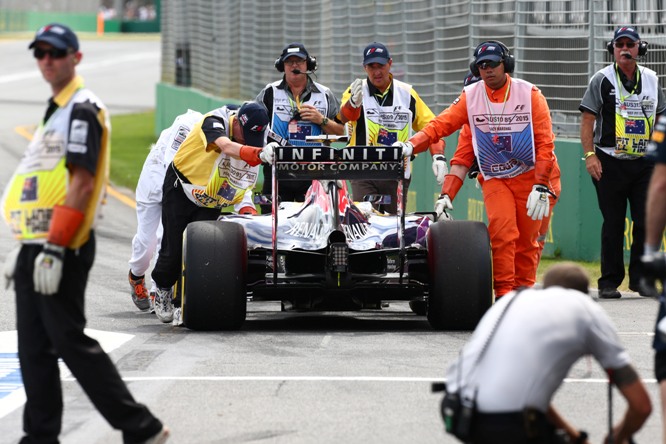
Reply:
x=460, y=268
x=419, y=307
x=214, y=276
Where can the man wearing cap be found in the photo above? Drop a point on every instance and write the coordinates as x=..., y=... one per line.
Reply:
x=383, y=110
x=516, y=160
x=297, y=107
x=618, y=114
x=215, y=166
x=520, y=353
x=51, y=203
x=464, y=162
x=149, y=206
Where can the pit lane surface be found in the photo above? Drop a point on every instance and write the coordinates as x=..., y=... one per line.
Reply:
x=285, y=377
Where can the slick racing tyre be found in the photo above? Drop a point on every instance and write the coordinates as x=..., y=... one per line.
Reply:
x=460, y=268
x=214, y=276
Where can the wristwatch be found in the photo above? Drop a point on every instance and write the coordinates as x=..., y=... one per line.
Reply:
x=324, y=122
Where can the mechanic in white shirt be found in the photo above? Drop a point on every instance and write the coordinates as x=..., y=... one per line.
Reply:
x=534, y=345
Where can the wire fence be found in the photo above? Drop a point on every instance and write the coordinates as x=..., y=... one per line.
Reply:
x=226, y=48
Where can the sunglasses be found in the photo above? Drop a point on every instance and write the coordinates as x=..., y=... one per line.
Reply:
x=627, y=45
x=54, y=53
x=488, y=64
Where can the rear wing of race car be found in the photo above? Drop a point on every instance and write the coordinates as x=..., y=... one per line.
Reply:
x=328, y=163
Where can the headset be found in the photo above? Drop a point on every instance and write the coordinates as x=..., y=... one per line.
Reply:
x=642, y=47
x=311, y=61
x=507, y=58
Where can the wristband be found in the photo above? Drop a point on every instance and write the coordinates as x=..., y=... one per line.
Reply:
x=250, y=155
x=588, y=154
x=65, y=222
x=351, y=114
x=451, y=186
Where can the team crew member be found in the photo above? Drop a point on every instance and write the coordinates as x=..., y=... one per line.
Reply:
x=216, y=166
x=383, y=110
x=515, y=159
x=512, y=397
x=653, y=257
x=149, y=206
x=464, y=161
x=51, y=204
x=618, y=113
x=297, y=107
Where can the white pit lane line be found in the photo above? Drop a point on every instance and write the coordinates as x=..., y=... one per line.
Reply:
x=12, y=395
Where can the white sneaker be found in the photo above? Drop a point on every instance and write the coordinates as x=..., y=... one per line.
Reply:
x=160, y=438
x=164, y=304
x=177, y=317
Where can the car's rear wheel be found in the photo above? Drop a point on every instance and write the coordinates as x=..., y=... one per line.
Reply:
x=214, y=276
x=460, y=266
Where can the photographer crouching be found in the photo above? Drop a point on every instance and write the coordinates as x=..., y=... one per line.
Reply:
x=500, y=388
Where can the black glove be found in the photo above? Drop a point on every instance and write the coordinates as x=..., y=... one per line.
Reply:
x=473, y=170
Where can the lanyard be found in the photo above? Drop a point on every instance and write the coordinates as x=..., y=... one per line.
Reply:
x=490, y=110
x=621, y=86
x=297, y=105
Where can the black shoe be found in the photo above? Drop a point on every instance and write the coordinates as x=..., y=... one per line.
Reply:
x=609, y=293
x=645, y=288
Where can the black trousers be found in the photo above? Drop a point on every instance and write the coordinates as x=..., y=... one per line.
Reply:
x=50, y=327
x=177, y=212
x=289, y=190
x=622, y=181
x=509, y=428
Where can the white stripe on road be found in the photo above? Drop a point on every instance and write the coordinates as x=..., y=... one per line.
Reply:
x=12, y=395
x=323, y=379
x=84, y=66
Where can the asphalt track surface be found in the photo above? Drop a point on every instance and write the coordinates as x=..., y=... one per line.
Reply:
x=285, y=377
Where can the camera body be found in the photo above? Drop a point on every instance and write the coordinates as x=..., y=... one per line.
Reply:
x=458, y=414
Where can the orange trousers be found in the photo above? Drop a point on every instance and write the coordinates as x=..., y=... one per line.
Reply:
x=514, y=236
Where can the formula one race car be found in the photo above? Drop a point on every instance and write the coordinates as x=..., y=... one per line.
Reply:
x=329, y=253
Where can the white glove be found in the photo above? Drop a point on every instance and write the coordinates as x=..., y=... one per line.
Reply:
x=439, y=167
x=406, y=147
x=10, y=266
x=441, y=206
x=48, y=269
x=267, y=154
x=356, y=98
x=538, y=204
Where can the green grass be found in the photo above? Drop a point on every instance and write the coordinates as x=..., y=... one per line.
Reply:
x=131, y=137
x=593, y=270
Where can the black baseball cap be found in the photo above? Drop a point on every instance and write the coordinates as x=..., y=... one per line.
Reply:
x=376, y=53
x=488, y=51
x=294, y=49
x=626, y=31
x=253, y=118
x=58, y=35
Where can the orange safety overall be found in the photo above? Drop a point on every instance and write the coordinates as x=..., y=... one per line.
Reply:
x=514, y=236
